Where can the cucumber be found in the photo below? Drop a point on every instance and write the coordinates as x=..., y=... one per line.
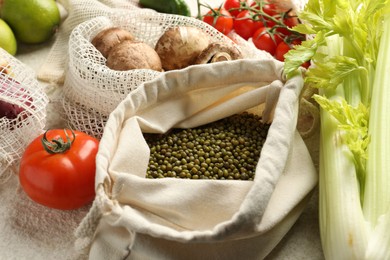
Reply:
x=179, y=7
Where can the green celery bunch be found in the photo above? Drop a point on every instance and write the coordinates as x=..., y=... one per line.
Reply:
x=350, y=53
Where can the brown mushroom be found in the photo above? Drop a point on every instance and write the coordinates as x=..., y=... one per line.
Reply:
x=218, y=52
x=4, y=67
x=129, y=55
x=105, y=40
x=179, y=46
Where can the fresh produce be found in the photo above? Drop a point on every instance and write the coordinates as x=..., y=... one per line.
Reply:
x=179, y=7
x=245, y=25
x=5, y=68
x=217, y=52
x=106, y=39
x=235, y=6
x=226, y=149
x=264, y=40
x=57, y=169
x=281, y=50
x=179, y=46
x=123, y=52
x=263, y=23
x=32, y=21
x=220, y=19
x=351, y=64
x=7, y=38
x=10, y=93
x=129, y=55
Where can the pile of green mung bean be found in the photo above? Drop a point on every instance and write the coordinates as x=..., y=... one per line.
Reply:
x=226, y=149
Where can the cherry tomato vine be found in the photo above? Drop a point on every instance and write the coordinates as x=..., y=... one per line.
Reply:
x=258, y=21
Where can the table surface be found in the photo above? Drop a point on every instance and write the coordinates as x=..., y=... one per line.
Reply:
x=31, y=231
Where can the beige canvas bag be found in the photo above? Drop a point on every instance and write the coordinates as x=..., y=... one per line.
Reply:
x=138, y=218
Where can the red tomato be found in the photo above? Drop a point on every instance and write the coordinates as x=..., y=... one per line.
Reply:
x=289, y=21
x=234, y=6
x=296, y=41
x=281, y=49
x=220, y=19
x=306, y=64
x=277, y=38
x=244, y=25
x=265, y=41
x=60, y=180
x=269, y=9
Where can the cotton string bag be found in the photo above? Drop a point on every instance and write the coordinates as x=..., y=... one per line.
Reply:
x=137, y=218
x=84, y=104
x=79, y=11
x=20, y=89
x=91, y=89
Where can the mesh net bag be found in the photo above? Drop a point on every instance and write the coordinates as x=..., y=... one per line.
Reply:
x=22, y=107
x=91, y=89
x=88, y=100
x=76, y=12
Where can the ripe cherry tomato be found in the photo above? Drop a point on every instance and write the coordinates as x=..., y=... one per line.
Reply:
x=220, y=19
x=265, y=41
x=234, y=6
x=57, y=169
x=244, y=25
x=281, y=49
x=297, y=41
x=270, y=10
x=306, y=64
x=290, y=20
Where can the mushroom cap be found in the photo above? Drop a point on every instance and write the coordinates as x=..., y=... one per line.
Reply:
x=105, y=40
x=129, y=55
x=179, y=46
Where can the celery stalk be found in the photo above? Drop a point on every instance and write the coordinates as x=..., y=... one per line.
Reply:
x=342, y=226
x=351, y=57
x=377, y=195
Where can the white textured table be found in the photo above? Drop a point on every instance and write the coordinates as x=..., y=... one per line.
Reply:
x=31, y=231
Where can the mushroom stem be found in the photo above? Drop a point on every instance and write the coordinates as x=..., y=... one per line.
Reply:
x=221, y=56
x=216, y=52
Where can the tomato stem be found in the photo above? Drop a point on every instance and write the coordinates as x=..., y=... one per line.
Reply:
x=58, y=145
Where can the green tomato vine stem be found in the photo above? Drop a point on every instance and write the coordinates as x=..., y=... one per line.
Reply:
x=58, y=145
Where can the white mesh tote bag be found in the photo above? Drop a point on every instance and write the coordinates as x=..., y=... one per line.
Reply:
x=23, y=104
x=92, y=89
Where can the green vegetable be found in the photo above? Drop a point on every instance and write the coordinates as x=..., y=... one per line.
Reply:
x=179, y=7
x=226, y=149
x=351, y=69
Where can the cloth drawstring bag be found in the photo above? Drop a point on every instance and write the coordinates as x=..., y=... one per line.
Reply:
x=134, y=217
